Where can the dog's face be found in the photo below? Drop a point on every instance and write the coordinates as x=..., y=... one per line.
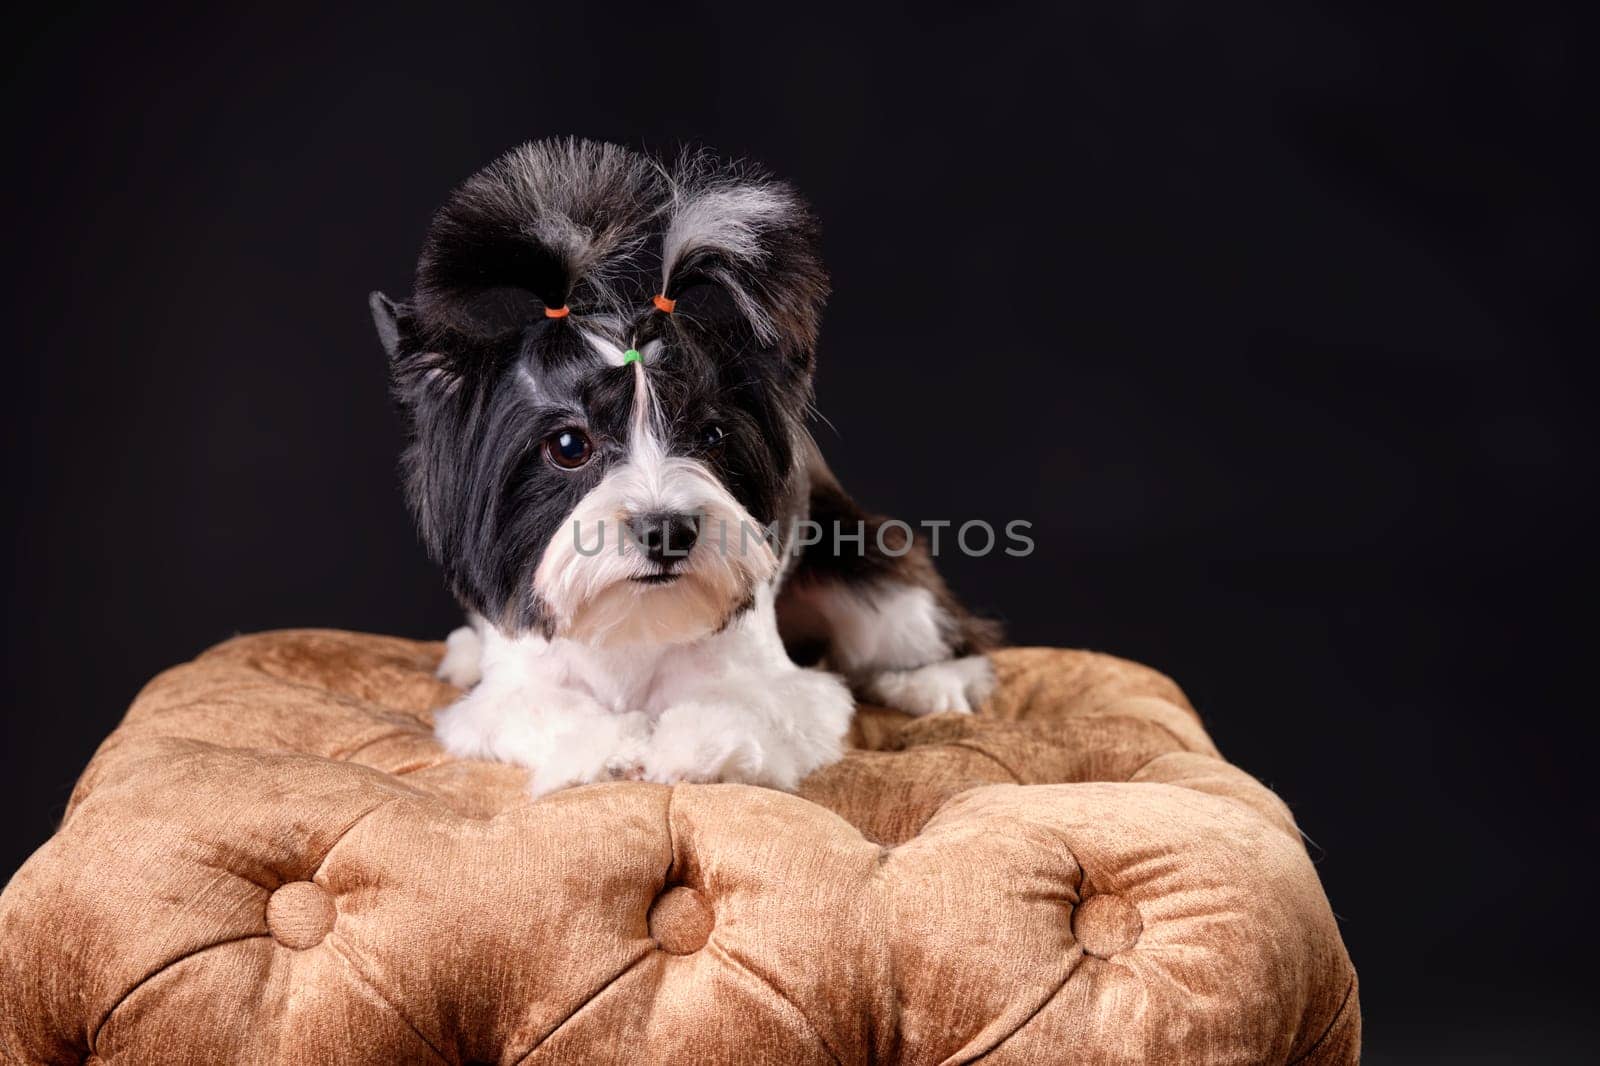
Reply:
x=606, y=474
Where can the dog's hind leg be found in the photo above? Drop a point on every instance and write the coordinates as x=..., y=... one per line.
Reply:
x=865, y=599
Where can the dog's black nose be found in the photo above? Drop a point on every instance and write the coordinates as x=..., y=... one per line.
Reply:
x=664, y=538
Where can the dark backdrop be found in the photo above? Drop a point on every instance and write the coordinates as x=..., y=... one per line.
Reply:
x=1267, y=319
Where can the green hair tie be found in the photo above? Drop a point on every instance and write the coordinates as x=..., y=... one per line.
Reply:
x=629, y=356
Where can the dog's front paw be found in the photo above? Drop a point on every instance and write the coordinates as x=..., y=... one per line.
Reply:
x=462, y=665
x=772, y=731
x=958, y=685
x=492, y=723
x=700, y=741
x=565, y=737
x=608, y=747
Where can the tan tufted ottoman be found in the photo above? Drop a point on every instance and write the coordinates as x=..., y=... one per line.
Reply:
x=271, y=861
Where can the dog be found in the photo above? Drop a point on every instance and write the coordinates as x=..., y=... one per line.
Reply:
x=605, y=379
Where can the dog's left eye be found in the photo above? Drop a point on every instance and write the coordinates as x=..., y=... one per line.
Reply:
x=568, y=448
x=711, y=437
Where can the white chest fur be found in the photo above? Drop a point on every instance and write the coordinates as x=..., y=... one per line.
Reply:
x=730, y=707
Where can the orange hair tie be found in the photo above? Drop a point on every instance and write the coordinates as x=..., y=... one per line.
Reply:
x=663, y=304
x=557, y=312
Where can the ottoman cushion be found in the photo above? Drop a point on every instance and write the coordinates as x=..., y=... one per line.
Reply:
x=272, y=860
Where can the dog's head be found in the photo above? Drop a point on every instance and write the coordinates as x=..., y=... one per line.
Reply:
x=604, y=372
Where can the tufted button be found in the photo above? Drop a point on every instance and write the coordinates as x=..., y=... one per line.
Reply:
x=1106, y=925
x=680, y=921
x=299, y=914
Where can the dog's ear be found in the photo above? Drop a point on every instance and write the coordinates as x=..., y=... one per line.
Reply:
x=386, y=316
x=414, y=366
x=753, y=239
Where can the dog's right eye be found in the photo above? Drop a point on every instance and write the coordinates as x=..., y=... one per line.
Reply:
x=568, y=448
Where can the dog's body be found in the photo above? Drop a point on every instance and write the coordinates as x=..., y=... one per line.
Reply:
x=623, y=492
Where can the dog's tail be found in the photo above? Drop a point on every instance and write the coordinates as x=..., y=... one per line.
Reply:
x=553, y=221
x=733, y=227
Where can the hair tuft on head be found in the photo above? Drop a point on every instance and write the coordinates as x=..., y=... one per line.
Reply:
x=551, y=222
x=732, y=226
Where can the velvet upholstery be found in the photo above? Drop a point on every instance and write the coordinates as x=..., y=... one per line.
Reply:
x=272, y=861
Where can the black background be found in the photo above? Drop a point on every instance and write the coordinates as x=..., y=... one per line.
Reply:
x=1267, y=317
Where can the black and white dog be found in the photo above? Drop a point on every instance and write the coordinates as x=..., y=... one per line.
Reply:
x=605, y=374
